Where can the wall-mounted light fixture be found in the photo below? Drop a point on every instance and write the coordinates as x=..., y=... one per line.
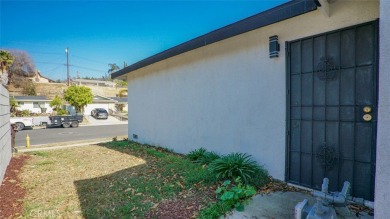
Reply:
x=274, y=47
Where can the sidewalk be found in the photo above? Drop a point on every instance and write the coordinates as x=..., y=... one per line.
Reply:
x=282, y=205
x=68, y=144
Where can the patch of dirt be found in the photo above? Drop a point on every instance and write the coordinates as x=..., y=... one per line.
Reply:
x=11, y=191
x=358, y=209
x=279, y=186
x=186, y=205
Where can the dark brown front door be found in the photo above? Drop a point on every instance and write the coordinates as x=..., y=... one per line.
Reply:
x=332, y=109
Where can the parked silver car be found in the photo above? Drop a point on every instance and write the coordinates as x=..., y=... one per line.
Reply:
x=99, y=113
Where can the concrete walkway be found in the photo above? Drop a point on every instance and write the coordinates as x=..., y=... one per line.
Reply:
x=91, y=121
x=281, y=205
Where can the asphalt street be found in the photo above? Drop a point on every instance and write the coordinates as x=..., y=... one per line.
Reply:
x=55, y=135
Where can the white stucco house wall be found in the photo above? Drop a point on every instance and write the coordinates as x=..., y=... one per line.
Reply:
x=223, y=91
x=34, y=104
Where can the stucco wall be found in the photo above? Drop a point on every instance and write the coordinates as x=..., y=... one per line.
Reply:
x=382, y=191
x=229, y=96
x=5, y=133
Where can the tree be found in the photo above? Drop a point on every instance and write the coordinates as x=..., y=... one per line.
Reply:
x=122, y=93
x=78, y=96
x=113, y=68
x=21, y=67
x=6, y=60
x=120, y=83
x=12, y=105
x=57, y=103
x=28, y=87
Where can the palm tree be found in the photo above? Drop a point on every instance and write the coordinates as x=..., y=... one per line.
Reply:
x=6, y=60
x=113, y=68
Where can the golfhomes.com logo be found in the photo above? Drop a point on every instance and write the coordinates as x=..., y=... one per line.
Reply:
x=44, y=213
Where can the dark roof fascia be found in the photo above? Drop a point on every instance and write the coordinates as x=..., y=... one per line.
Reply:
x=279, y=13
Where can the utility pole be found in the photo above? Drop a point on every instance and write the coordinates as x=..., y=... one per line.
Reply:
x=67, y=65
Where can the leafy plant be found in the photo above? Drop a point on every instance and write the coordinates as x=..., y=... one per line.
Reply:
x=238, y=165
x=196, y=154
x=229, y=196
x=236, y=196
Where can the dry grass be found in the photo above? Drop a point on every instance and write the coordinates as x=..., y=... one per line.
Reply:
x=113, y=180
x=49, y=178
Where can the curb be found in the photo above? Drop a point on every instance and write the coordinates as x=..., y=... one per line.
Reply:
x=68, y=144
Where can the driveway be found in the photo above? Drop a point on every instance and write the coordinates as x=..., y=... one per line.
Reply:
x=91, y=121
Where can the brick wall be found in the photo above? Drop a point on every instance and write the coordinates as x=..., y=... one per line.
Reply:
x=5, y=132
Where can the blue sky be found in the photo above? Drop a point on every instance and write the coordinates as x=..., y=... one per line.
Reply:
x=102, y=32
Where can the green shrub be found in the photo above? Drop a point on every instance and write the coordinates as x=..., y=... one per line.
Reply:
x=196, y=154
x=23, y=113
x=207, y=158
x=239, y=165
x=236, y=196
x=202, y=156
x=61, y=112
x=260, y=178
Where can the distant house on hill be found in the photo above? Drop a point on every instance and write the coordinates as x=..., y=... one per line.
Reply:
x=38, y=77
x=90, y=82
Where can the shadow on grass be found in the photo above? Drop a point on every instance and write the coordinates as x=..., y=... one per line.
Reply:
x=132, y=192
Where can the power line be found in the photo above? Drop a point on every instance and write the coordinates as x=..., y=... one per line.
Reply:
x=90, y=60
x=87, y=68
x=53, y=69
x=77, y=66
x=45, y=53
x=50, y=63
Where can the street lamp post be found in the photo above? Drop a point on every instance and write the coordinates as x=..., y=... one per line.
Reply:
x=67, y=66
